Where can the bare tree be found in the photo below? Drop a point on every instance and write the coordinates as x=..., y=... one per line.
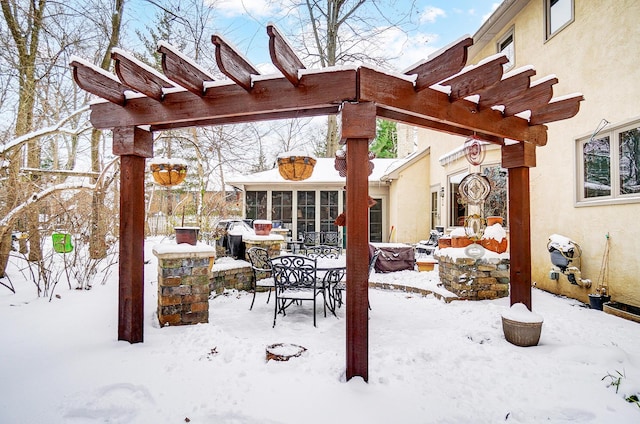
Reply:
x=336, y=32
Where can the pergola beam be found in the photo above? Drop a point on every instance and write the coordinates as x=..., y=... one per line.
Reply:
x=99, y=82
x=229, y=101
x=182, y=70
x=557, y=110
x=139, y=76
x=283, y=57
x=397, y=94
x=232, y=63
x=443, y=64
x=536, y=96
x=476, y=79
x=510, y=86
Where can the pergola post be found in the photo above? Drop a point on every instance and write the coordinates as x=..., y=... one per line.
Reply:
x=518, y=158
x=133, y=145
x=358, y=129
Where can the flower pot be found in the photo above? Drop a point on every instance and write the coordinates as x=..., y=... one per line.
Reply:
x=521, y=333
x=167, y=173
x=491, y=220
x=425, y=265
x=296, y=167
x=444, y=242
x=262, y=227
x=187, y=235
x=596, y=301
x=494, y=245
x=460, y=241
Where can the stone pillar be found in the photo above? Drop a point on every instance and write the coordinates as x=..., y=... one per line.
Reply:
x=273, y=244
x=183, y=283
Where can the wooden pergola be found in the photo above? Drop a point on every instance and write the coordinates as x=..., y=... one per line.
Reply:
x=440, y=93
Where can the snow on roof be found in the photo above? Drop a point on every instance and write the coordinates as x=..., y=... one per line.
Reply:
x=324, y=172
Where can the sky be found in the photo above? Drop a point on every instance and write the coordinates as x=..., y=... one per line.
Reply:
x=428, y=362
x=434, y=24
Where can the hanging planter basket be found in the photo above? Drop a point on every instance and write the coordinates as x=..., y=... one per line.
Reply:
x=168, y=172
x=295, y=167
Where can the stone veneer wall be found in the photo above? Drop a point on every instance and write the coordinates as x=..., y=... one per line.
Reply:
x=473, y=279
x=183, y=283
x=272, y=243
x=239, y=278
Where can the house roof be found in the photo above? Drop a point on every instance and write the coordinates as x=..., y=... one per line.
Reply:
x=507, y=10
x=324, y=172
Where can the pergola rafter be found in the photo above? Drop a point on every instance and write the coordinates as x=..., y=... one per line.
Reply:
x=439, y=94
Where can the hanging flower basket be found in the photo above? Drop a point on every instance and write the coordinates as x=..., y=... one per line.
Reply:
x=168, y=172
x=295, y=167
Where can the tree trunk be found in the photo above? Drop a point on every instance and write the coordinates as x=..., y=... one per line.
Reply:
x=97, y=239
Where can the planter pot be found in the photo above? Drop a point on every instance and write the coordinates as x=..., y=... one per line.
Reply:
x=425, y=265
x=596, y=301
x=491, y=220
x=168, y=174
x=296, y=168
x=460, y=241
x=187, y=235
x=444, y=242
x=521, y=333
x=262, y=227
x=494, y=245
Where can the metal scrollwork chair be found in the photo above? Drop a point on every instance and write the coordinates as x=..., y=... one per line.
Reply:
x=261, y=267
x=323, y=251
x=340, y=287
x=309, y=239
x=330, y=238
x=295, y=280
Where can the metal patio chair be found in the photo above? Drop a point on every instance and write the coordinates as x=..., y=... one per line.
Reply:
x=295, y=280
x=261, y=267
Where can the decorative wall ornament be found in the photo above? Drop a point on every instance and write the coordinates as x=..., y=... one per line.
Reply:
x=474, y=151
x=341, y=162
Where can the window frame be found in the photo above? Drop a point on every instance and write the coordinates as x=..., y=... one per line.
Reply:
x=548, y=34
x=615, y=197
x=499, y=48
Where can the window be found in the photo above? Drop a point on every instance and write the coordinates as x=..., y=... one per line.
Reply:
x=558, y=14
x=328, y=210
x=256, y=205
x=506, y=45
x=609, y=165
x=496, y=202
x=281, y=206
x=375, y=222
x=457, y=206
x=306, y=211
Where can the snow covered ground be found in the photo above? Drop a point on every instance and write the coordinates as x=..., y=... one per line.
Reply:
x=429, y=362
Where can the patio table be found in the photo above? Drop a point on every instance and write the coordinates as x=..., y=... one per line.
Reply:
x=331, y=271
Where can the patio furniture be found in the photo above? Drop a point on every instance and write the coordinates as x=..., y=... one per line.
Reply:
x=393, y=256
x=340, y=286
x=261, y=267
x=309, y=239
x=323, y=251
x=330, y=238
x=296, y=280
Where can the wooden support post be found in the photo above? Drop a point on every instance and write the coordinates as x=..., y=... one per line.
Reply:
x=132, y=145
x=518, y=158
x=358, y=129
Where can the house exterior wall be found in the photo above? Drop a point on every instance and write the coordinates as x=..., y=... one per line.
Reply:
x=410, y=203
x=597, y=55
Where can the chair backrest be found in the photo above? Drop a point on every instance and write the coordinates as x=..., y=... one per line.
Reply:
x=330, y=238
x=259, y=259
x=310, y=238
x=372, y=262
x=294, y=272
x=323, y=251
